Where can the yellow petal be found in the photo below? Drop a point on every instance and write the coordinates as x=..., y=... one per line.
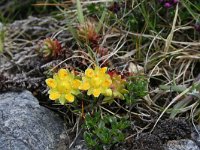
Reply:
x=51, y=82
x=107, y=83
x=84, y=86
x=89, y=72
x=54, y=95
x=69, y=98
x=103, y=70
x=62, y=73
x=76, y=83
x=96, y=92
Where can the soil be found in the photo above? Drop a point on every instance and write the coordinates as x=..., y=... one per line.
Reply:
x=166, y=130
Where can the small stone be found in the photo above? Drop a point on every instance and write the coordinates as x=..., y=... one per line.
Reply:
x=196, y=135
x=184, y=144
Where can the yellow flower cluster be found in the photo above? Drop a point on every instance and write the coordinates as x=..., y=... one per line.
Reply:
x=63, y=86
x=96, y=82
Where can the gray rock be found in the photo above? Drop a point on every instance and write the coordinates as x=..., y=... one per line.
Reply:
x=184, y=144
x=25, y=125
x=196, y=135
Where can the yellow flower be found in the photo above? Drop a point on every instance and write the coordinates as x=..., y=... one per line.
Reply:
x=63, y=86
x=107, y=83
x=104, y=69
x=51, y=83
x=76, y=83
x=84, y=86
x=62, y=73
x=54, y=95
x=69, y=97
x=96, y=81
x=89, y=72
x=96, y=92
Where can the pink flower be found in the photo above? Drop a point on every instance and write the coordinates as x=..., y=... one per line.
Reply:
x=167, y=5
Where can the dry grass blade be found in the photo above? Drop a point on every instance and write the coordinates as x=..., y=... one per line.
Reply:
x=170, y=36
x=65, y=4
x=1, y=38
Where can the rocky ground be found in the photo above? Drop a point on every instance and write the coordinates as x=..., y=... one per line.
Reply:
x=27, y=120
x=24, y=124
